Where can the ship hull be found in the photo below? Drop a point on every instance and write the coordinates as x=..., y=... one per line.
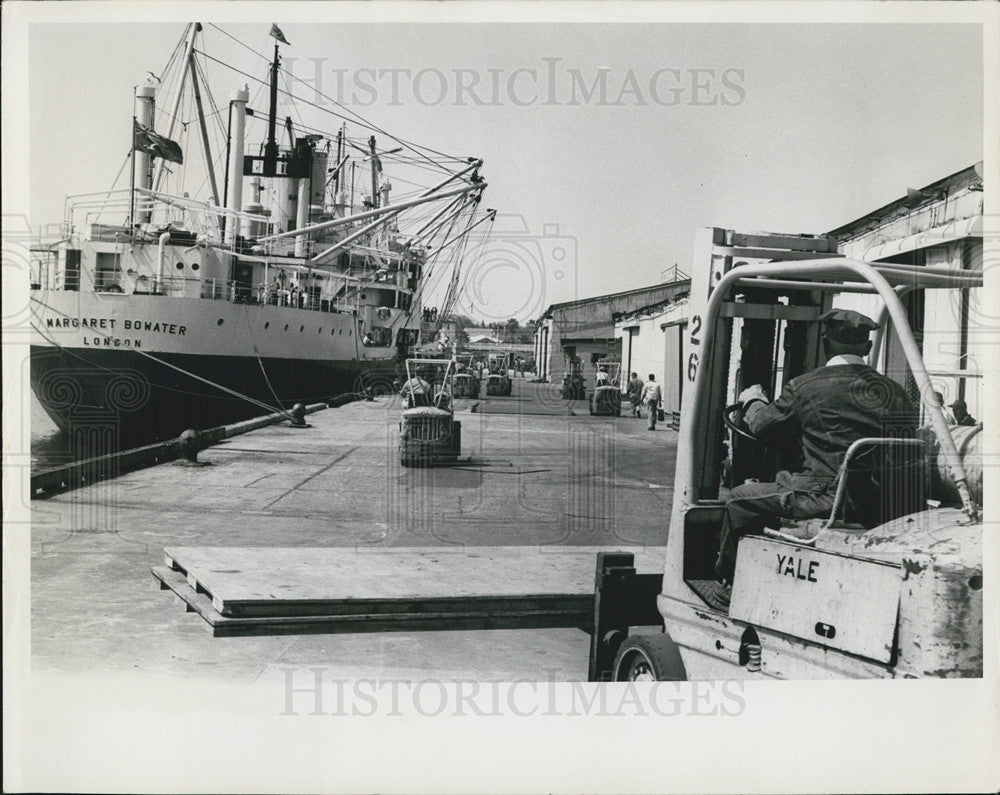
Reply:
x=99, y=362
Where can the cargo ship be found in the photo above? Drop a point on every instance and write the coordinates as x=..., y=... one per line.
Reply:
x=297, y=276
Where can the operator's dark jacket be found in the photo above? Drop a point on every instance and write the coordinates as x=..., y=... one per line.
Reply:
x=829, y=408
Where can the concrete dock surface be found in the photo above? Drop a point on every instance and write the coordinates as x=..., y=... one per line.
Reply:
x=535, y=472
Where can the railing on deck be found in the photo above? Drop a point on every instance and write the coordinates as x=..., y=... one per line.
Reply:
x=236, y=292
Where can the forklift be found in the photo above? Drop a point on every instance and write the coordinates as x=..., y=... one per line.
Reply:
x=606, y=399
x=889, y=584
x=466, y=382
x=498, y=382
x=428, y=432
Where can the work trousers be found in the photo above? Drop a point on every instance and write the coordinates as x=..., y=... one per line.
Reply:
x=653, y=410
x=754, y=506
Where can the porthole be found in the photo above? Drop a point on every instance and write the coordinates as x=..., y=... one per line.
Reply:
x=195, y=266
x=180, y=266
x=333, y=331
x=286, y=327
x=219, y=322
x=301, y=329
x=349, y=332
x=267, y=325
x=340, y=331
x=319, y=331
x=363, y=296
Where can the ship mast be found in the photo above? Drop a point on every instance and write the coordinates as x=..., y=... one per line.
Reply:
x=375, y=164
x=192, y=32
x=340, y=155
x=271, y=147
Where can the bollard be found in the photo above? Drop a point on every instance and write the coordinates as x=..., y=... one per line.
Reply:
x=298, y=417
x=189, y=445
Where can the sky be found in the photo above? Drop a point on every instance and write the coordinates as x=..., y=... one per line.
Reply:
x=605, y=145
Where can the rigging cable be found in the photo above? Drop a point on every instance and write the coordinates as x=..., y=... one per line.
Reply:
x=363, y=123
x=361, y=119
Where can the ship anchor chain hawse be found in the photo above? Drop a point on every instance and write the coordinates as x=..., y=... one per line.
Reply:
x=298, y=276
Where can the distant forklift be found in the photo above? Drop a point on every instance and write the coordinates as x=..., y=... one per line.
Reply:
x=498, y=381
x=428, y=431
x=466, y=382
x=606, y=399
x=889, y=584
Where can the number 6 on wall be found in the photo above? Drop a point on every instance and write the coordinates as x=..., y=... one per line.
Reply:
x=692, y=366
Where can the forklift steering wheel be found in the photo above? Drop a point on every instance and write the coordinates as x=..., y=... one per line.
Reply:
x=730, y=423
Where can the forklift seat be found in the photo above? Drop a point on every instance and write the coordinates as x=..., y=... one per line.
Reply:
x=880, y=480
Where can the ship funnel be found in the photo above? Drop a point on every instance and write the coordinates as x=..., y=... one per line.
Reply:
x=145, y=114
x=234, y=190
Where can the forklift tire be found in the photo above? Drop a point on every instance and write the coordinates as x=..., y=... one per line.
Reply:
x=649, y=658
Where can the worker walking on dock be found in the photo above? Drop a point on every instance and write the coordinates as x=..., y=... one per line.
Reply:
x=652, y=396
x=635, y=393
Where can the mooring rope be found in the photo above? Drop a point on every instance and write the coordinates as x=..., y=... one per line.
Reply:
x=256, y=352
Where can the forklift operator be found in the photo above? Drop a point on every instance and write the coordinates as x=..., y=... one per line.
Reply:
x=415, y=391
x=828, y=408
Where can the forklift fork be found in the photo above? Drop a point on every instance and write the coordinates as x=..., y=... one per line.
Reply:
x=622, y=599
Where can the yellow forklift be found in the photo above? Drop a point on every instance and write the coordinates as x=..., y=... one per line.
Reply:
x=890, y=583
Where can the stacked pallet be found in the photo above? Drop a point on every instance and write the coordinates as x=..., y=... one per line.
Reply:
x=321, y=590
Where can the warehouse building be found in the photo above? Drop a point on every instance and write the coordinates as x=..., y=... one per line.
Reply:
x=940, y=225
x=578, y=334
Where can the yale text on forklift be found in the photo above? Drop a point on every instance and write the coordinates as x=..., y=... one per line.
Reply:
x=797, y=567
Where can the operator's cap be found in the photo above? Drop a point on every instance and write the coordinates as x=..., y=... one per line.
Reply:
x=959, y=404
x=847, y=326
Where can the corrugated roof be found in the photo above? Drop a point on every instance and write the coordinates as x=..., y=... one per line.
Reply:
x=894, y=209
x=596, y=298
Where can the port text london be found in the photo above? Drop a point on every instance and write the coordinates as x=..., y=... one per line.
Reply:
x=109, y=324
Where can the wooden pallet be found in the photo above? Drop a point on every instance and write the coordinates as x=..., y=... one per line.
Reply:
x=224, y=626
x=264, y=591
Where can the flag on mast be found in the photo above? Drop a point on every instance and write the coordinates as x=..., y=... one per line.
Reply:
x=277, y=34
x=145, y=140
